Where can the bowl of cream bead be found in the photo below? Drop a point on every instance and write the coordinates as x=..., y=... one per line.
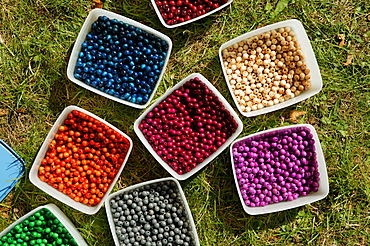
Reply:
x=119, y=58
x=270, y=68
x=279, y=169
x=189, y=126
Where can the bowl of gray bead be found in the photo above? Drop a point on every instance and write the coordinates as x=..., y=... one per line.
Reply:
x=151, y=213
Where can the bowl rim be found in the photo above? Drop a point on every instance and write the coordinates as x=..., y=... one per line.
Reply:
x=135, y=186
x=208, y=159
x=86, y=27
x=310, y=198
x=59, y=215
x=189, y=21
x=33, y=173
x=310, y=58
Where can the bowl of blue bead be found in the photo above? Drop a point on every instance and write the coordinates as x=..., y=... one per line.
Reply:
x=119, y=58
x=151, y=213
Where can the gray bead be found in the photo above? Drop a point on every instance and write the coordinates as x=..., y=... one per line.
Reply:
x=160, y=236
x=116, y=215
x=166, y=234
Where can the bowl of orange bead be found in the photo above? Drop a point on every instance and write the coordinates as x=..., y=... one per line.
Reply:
x=270, y=68
x=80, y=160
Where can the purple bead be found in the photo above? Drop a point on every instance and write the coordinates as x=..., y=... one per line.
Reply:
x=267, y=199
x=241, y=148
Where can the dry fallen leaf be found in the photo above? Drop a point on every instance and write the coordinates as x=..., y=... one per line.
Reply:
x=98, y=4
x=342, y=39
x=4, y=111
x=21, y=111
x=294, y=115
x=1, y=39
x=349, y=60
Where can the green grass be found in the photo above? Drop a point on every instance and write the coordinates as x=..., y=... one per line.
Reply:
x=37, y=35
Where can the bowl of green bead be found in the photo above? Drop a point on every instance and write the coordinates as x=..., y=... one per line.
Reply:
x=45, y=225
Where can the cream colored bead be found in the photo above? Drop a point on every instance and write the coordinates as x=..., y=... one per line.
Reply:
x=232, y=87
x=246, y=98
x=281, y=99
x=248, y=109
x=270, y=103
x=277, y=95
x=276, y=101
x=242, y=108
x=229, y=71
x=297, y=93
x=254, y=107
x=233, y=82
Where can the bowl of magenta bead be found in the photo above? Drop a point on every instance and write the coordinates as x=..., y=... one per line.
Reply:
x=45, y=225
x=270, y=68
x=119, y=58
x=189, y=126
x=279, y=169
x=151, y=213
x=80, y=160
x=177, y=13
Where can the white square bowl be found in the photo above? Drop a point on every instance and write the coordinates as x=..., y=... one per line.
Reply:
x=211, y=157
x=137, y=186
x=301, y=200
x=310, y=60
x=86, y=28
x=189, y=21
x=59, y=215
x=33, y=175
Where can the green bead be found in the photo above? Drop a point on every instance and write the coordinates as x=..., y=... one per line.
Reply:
x=32, y=224
x=32, y=218
x=25, y=222
x=59, y=241
x=41, y=217
x=38, y=222
x=37, y=214
x=33, y=242
x=47, y=230
x=55, y=235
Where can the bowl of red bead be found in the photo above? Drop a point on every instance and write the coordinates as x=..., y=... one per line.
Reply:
x=188, y=126
x=175, y=13
x=151, y=213
x=119, y=58
x=45, y=225
x=270, y=68
x=80, y=160
x=279, y=169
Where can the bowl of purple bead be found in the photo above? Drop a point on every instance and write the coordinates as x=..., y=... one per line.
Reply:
x=119, y=58
x=189, y=126
x=279, y=169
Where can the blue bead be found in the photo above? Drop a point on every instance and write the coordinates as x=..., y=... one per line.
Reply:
x=148, y=69
x=81, y=54
x=104, y=79
x=77, y=75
